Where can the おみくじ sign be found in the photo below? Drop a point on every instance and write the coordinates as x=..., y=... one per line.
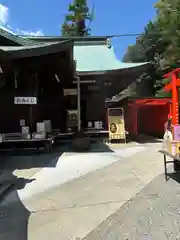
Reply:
x=25, y=100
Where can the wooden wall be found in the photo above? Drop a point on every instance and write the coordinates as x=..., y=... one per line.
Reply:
x=107, y=85
x=48, y=91
x=10, y=114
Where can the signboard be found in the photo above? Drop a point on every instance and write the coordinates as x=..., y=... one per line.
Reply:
x=72, y=118
x=68, y=92
x=116, y=124
x=25, y=100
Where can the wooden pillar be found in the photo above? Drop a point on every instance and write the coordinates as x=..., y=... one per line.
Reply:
x=33, y=93
x=31, y=109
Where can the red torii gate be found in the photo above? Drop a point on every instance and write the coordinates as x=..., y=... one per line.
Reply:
x=173, y=86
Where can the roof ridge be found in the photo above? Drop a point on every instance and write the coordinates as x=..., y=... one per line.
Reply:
x=77, y=40
x=15, y=37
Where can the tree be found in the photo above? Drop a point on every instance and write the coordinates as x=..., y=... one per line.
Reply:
x=160, y=43
x=134, y=54
x=75, y=23
x=149, y=47
x=168, y=18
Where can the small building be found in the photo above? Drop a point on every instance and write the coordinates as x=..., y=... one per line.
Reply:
x=144, y=115
x=45, y=68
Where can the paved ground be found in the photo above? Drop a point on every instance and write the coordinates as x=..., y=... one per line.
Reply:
x=58, y=167
x=154, y=213
x=26, y=166
x=74, y=165
x=76, y=208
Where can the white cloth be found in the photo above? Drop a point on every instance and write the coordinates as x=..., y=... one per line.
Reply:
x=168, y=135
x=167, y=139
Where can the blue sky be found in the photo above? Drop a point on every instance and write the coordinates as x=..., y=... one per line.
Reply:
x=111, y=17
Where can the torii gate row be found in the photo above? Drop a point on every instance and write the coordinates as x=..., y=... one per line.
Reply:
x=173, y=86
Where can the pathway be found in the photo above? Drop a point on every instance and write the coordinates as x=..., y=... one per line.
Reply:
x=75, y=208
x=154, y=213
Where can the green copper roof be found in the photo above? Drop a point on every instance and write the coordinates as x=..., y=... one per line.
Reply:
x=91, y=53
x=99, y=58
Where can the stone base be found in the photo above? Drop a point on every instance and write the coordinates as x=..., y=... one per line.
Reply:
x=80, y=144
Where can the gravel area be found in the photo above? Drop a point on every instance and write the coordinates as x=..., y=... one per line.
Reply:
x=154, y=213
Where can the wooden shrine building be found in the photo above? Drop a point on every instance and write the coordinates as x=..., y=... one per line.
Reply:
x=46, y=67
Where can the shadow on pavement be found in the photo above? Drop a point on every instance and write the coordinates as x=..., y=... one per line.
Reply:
x=97, y=145
x=142, y=139
x=13, y=215
x=25, y=160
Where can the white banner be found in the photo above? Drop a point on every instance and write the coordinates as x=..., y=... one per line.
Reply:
x=68, y=92
x=25, y=100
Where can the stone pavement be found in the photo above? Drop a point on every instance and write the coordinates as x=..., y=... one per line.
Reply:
x=76, y=208
x=71, y=166
x=154, y=213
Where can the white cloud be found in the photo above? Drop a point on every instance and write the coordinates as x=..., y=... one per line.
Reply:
x=4, y=16
x=30, y=33
x=4, y=12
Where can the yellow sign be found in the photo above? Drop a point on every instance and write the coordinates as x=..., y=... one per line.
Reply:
x=116, y=123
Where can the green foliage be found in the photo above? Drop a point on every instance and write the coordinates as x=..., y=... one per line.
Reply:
x=75, y=23
x=134, y=54
x=159, y=43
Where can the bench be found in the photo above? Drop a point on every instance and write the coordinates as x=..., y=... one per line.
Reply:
x=175, y=160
